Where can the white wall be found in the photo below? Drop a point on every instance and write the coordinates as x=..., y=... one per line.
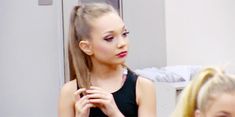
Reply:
x=200, y=32
x=145, y=21
x=31, y=58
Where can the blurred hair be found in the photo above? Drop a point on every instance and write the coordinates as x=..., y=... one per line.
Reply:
x=202, y=91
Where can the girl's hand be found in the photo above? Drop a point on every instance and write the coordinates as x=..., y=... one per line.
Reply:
x=82, y=104
x=104, y=101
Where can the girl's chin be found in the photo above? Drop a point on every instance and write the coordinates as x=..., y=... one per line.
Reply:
x=121, y=62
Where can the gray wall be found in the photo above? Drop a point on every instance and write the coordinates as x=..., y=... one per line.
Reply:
x=145, y=21
x=31, y=58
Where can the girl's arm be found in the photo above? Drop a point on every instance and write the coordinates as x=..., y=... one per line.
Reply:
x=66, y=101
x=146, y=98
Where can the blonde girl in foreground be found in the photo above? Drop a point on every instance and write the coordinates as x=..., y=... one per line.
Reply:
x=210, y=94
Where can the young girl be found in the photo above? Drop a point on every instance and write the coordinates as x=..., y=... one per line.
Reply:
x=210, y=94
x=101, y=85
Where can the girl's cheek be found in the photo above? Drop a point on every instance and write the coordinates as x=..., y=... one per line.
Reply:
x=103, y=49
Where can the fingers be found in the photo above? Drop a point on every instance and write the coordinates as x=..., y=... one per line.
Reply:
x=92, y=89
x=78, y=93
x=83, y=101
x=83, y=104
x=96, y=88
x=94, y=95
x=102, y=99
x=87, y=106
x=97, y=95
x=98, y=101
x=95, y=92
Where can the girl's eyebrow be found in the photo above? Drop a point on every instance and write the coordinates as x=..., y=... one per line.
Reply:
x=223, y=112
x=111, y=31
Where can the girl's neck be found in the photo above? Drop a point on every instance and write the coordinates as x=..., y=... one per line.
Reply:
x=109, y=78
x=104, y=71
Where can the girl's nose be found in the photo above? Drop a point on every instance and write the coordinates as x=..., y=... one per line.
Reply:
x=122, y=42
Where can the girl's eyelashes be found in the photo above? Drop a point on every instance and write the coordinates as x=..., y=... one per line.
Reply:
x=125, y=34
x=108, y=38
x=223, y=115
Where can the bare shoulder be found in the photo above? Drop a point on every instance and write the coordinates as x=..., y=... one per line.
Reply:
x=145, y=86
x=146, y=97
x=69, y=87
x=66, y=93
x=144, y=83
x=66, y=99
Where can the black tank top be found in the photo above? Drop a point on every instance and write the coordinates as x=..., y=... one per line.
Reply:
x=125, y=98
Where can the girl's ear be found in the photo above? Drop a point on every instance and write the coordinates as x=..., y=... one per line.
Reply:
x=86, y=47
x=197, y=113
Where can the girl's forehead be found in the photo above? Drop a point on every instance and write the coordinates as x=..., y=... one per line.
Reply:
x=223, y=103
x=108, y=22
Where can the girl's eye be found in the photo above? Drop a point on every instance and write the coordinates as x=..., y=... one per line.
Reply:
x=108, y=38
x=223, y=115
x=125, y=34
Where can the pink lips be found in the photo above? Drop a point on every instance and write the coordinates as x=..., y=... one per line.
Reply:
x=122, y=54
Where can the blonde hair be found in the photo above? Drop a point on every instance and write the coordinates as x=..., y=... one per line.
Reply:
x=79, y=29
x=203, y=89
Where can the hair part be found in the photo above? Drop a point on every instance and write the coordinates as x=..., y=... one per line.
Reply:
x=80, y=28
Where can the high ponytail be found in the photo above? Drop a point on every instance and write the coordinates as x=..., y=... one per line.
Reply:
x=80, y=64
x=72, y=36
x=78, y=60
